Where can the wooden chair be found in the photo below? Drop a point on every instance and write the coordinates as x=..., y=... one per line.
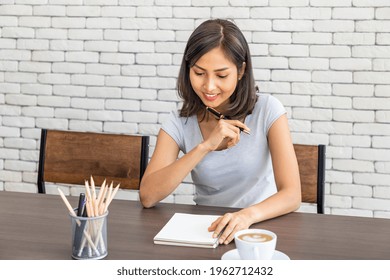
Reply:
x=71, y=157
x=311, y=162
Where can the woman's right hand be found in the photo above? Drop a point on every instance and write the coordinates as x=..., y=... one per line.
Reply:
x=226, y=134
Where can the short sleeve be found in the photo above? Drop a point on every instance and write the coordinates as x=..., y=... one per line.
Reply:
x=174, y=128
x=274, y=110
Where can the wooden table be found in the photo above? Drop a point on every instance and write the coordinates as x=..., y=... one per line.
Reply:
x=37, y=226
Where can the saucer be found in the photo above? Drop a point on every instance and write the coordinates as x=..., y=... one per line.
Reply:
x=233, y=255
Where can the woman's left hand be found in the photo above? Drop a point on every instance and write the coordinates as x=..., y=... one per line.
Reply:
x=229, y=224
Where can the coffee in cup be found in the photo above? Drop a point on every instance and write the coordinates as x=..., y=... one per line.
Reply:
x=255, y=244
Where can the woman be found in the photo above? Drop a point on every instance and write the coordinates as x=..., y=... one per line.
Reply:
x=256, y=172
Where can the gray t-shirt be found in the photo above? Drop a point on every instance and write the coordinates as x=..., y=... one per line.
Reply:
x=237, y=177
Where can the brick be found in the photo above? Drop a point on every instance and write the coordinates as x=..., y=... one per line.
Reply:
x=159, y=58
x=311, y=88
x=119, y=11
x=292, y=25
x=18, y=165
x=330, y=51
x=20, y=143
x=34, y=21
x=7, y=110
x=54, y=78
x=15, y=55
x=360, y=38
x=289, y=3
x=18, y=121
x=332, y=102
x=20, y=77
x=156, y=35
x=168, y=95
x=382, y=167
x=53, y=101
x=382, y=13
x=331, y=127
x=154, y=12
x=121, y=35
x=371, y=203
x=137, y=47
x=312, y=38
x=308, y=63
x=38, y=111
x=69, y=90
x=158, y=83
x=82, y=56
x=289, y=50
x=331, y=3
x=81, y=125
x=117, y=58
x=139, y=93
x=85, y=34
x=311, y=13
x=67, y=113
x=175, y=24
x=352, y=212
x=122, y=81
x=299, y=125
x=167, y=71
x=51, y=33
x=9, y=132
x=381, y=192
x=291, y=75
x=50, y=56
x=140, y=117
x=382, y=90
x=353, y=165
x=312, y=114
x=383, y=116
x=353, y=13
x=350, y=64
x=370, y=3
x=353, y=90
x=290, y=100
x=148, y=129
x=101, y=46
x=381, y=65
x=371, y=103
x=103, y=22
x=49, y=10
x=33, y=44
x=37, y=67
x=270, y=13
x=350, y=140
x=381, y=141
x=272, y=37
x=371, y=51
x=371, y=154
x=372, y=26
x=8, y=20
x=83, y=11
x=65, y=22
x=332, y=76
x=15, y=10
x=50, y=123
x=37, y=89
x=333, y=176
x=105, y=115
x=8, y=65
x=66, y=67
x=87, y=79
x=124, y=105
x=270, y=62
x=87, y=103
x=157, y=106
x=139, y=23
x=352, y=190
x=353, y=116
x=371, y=129
x=118, y=127
x=191, y=12
x=66, y=45
x=334, y=26
x=10, y=176
x=338, y=201
x=103, y=69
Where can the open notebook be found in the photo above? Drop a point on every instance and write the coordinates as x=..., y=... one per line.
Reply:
x=188, y=230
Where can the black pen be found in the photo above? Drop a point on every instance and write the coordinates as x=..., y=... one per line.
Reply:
x=221, y=116
x=81, y=206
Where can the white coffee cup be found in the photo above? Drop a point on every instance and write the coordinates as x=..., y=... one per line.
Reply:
x=255, y=244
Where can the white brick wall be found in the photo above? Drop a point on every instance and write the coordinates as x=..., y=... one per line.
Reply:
x=111, y=66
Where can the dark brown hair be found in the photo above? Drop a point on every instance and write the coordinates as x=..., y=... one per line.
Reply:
x=207, y=36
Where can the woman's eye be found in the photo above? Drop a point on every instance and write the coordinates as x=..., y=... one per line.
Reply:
x=222, y=76
x=198, y=73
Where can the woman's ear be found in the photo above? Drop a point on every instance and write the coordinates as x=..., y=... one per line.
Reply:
x=241, y=71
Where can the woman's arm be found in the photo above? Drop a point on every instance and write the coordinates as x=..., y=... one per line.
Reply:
x=164, y=171
x=288, y=197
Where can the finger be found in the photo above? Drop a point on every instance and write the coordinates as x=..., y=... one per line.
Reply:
x=230, y=237
x=214, y=224
x=221, y=224
x=227, y=234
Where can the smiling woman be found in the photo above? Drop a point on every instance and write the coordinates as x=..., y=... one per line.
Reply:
x=257, y=172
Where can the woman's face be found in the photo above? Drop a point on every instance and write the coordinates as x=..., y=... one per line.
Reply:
x=214, y=78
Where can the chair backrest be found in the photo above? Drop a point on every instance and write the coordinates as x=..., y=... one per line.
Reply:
x=311, y=162
x=71, y=157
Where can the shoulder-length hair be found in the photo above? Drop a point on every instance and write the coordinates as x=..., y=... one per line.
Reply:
x=207, y=36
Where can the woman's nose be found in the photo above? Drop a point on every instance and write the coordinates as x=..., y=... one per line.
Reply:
x=209, y=85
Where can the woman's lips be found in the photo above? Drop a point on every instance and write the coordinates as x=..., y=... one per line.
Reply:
x=210, y=97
